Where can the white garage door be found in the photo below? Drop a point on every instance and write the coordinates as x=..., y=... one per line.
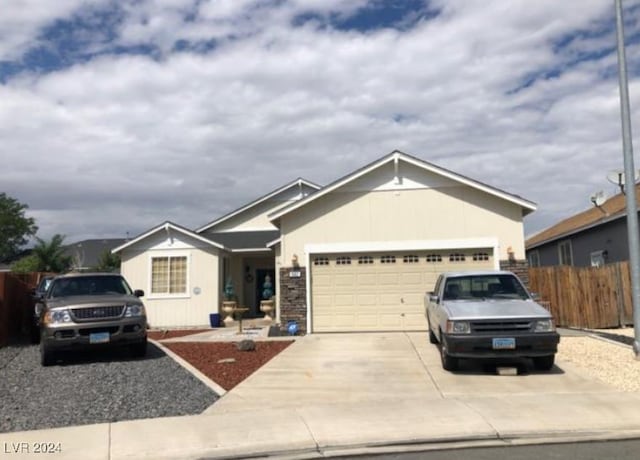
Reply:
x=381, y=291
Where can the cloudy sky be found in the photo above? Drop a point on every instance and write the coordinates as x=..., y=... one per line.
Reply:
x=117, y=115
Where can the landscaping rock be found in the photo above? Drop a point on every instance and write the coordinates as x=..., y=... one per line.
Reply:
x=246, y=345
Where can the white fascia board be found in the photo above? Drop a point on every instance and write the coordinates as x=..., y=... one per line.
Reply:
x=474, y=184
x=250, y=250
x=276, y=215
x=271, y=244
x=284, y=188
x=395, y=156
x=415, y=245
x=166, y=227
x=249, y=229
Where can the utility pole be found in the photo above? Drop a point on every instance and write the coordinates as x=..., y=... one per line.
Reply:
x=629, y=180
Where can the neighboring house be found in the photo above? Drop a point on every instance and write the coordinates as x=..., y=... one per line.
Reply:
x=85, y=255
x=356, y=255
x=590, y=238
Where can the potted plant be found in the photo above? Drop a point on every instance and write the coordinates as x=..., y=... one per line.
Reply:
x=267, y=302
x=229, y=304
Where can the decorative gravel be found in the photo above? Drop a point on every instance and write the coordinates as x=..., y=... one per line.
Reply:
x=605, y=355
x=98, y=387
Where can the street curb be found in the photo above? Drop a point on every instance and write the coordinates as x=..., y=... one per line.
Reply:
x=188, y=367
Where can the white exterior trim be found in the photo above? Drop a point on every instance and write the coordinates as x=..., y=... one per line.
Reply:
x=271, y=244
x=170, y=254
x=379, y=246
x=167, y=226
x=395, y=156
x=250, y=250
x=297, y=183
x=420, y=245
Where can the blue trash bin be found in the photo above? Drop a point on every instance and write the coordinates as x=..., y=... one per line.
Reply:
x=214, y=319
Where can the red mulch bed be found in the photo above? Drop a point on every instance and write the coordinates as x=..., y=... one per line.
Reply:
x=173, y=333
x=204, y=356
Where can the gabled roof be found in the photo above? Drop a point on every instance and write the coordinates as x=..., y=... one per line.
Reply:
x=167, y=226
x=396, y=155
x=612, y=209
x=296, y=183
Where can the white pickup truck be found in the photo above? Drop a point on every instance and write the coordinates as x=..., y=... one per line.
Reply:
x=488, y=314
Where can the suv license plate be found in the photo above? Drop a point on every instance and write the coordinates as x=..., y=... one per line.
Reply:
x=99, y=337
x=504, y=344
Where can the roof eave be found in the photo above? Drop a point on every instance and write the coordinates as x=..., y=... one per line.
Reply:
x=166, y=226
x=575, y=231
x=527, y=206
x=262, y=199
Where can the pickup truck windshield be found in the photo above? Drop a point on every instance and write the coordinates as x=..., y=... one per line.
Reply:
x=476, y=287
x=89, y=285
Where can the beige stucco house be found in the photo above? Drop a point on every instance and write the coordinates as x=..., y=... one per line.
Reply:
x=355, y=255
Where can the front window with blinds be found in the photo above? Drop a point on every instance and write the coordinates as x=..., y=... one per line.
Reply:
x=169, y=275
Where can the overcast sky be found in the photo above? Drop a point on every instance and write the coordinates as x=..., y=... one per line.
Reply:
x=116, y=115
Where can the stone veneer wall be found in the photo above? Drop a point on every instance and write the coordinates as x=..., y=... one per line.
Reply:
x=519, y=267
x=293, y=298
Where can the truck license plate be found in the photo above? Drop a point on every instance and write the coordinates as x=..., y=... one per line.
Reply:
x=99, y=337
x=504, y=344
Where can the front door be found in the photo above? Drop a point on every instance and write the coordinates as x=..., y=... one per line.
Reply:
x=261, y=275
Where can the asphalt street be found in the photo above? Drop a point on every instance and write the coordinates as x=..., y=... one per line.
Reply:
x=619, y=450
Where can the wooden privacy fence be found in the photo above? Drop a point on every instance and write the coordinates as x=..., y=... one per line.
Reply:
x=586, y=297
x=16, y=304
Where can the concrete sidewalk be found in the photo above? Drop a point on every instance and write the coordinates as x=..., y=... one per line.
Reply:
x=327, y=395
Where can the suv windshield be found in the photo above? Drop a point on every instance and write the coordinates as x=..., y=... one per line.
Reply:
x=484, y=287
x=89, y=285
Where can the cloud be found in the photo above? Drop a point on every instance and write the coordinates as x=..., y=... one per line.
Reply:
x=516, y=94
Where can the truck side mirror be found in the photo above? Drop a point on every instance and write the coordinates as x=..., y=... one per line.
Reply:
x=138, y=293
x=535, y=296
x=433, y=298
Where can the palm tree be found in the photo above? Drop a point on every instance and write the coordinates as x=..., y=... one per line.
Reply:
x=51, y=255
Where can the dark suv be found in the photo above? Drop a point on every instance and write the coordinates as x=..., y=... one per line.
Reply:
x=88, y=310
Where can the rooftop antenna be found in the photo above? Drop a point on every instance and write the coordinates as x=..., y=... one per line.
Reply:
x=617, y=177
x=598, y=200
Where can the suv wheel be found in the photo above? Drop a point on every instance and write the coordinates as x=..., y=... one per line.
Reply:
x=47, y=357
x=544, y=363
x=139, y=349
x=449, y=363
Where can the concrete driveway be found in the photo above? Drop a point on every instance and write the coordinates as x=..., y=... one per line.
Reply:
x=389, y=389
x=384, y=367
x=335, y=394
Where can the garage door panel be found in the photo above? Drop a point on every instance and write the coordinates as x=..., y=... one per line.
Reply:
x=414, y=278
x=343, y=279
x=322, y=300
x=415, y=321
x=321, y=279
x=382, y=296
x=367, y=279
x=387, y=300
x=367, y=299
x=414, y=298
x=388, y=278
x=344, y=300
